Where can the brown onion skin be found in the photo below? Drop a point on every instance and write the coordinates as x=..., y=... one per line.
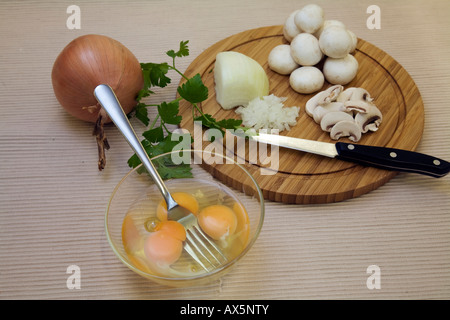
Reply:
x=88, y=61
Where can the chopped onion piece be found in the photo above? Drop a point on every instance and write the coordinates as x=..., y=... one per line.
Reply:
x=268, y=112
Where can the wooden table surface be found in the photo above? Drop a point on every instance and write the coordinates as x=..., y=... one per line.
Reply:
x=53, y=198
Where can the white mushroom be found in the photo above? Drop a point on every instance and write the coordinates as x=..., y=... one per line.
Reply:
x=305, y=49
x=356, y=100
x=310, y=18
x=340, y=71
x=281, y=61
x=326, y=96
x=290, y=29
x=357, y=106
x=335, y=42
x=323, y=109
x=344, y=113
x=354, y=41
x=306, y=80
x=369, y=121
x=346, y=129
x=354, y=93
x=326, y=24
x=331, y=118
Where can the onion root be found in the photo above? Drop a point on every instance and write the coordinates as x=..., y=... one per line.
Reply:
x=102, y=142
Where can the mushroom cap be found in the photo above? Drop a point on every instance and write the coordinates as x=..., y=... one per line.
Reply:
x=357, y=106
x=280, y=59
x=354, y=40
x=323, y=109
x=331, y=118
x=346, y=129
x=290, y=29
x=305, y=49
x=326, y=24
x=369, y=121
x=326, y=96
x=306, y=80
x=335, y=42
x=310, y=18
x=340, y=71
x=354, y=93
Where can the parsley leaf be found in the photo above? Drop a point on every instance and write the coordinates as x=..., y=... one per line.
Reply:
x=208, y=121
x=169, y=112
x=154, y=135
x=183, y=52
x=167, y=169
x=170, y=170
x=144, y=92
x=193, y=90
x=165, y=166
x=155, y=74
x=165, y=145
x=229, y=123
x=141, y=113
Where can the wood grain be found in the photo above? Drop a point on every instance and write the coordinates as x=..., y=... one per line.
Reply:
x=306, y=178
x=53, y=199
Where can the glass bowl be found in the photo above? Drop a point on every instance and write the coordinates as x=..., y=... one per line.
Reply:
x=137, y=195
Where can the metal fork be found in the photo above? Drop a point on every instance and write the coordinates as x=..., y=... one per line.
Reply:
x=203, y=250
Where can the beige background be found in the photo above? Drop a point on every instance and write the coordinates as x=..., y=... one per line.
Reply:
x=53, y=199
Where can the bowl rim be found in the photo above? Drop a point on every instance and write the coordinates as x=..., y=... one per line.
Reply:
x=202, y=275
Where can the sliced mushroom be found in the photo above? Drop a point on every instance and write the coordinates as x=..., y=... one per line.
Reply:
x=344, y=113
x=357, y=106
x=331, y=118
x=346, y=129
x=323, y=109
x=332, y=93
x=370, y=120
x=354, y=93
x=326, y=96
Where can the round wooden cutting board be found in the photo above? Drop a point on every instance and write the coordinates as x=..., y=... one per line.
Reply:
x=306, y=178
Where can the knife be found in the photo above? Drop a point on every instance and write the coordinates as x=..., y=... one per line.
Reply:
x=379, y=157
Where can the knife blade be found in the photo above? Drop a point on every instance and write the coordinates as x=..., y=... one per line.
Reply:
x=379, y=157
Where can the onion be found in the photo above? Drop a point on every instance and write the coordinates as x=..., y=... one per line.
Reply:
x=85, y=63
x=239, y=79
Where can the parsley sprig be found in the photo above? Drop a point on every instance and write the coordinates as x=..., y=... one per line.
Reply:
x=158, y=138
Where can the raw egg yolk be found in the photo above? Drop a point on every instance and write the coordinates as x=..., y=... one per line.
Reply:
x=174, y=228
x=162, y=248
x=184, y=199
x=130, y=234
x=242, y=221
x=217, y=221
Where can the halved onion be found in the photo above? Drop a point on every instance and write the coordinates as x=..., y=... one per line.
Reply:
x=238, y=79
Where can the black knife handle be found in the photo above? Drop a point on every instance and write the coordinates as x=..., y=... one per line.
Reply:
x=393, y=159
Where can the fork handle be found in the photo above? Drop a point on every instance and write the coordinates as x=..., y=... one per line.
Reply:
x=108, y=100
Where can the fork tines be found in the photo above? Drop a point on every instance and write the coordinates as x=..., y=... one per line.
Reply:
x=203, y=250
